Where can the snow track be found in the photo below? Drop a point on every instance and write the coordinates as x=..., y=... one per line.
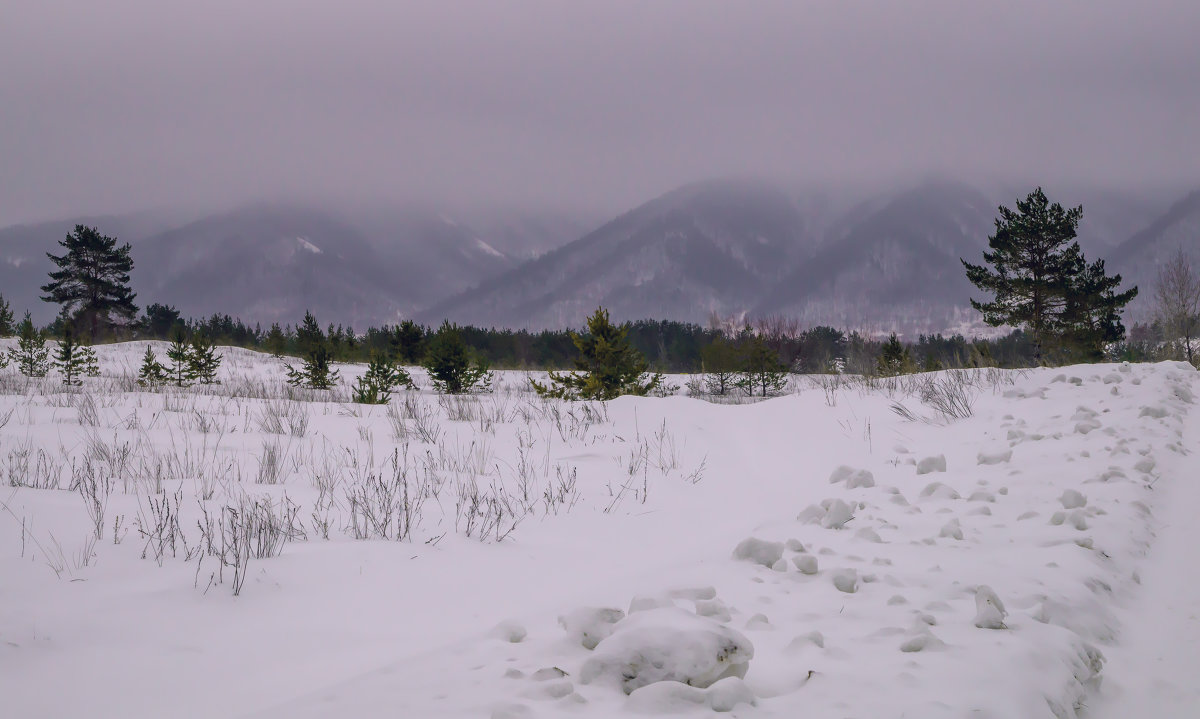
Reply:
x=1152, y=668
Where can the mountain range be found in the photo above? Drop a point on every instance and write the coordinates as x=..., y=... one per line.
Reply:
x=877, y=261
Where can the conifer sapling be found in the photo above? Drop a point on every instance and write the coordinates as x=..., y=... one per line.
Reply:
x=452, y=367
x=203, y=360
x=30, y=355
x=609, y=366
x=180, y=355
x=152, y=373
x=315, y=371
x=74, y=360
x=376, y=384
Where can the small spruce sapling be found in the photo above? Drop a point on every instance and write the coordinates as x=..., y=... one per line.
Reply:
x=203, y=360
x=452, y=367
x=761, y=370
x=315, y=371
x=721, y=361
x=152, y=373
x=180, y=355
x=74, y=360
x=894, y=358
x=30, y=355
x=276, y=341
x=376, y=384
x=608, y=365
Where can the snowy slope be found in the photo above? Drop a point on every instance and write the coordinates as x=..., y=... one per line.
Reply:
x=1049, y=498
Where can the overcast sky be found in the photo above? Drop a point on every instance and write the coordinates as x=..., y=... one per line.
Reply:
x=128, y=104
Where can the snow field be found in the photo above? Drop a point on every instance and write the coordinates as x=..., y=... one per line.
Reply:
x=823, y=554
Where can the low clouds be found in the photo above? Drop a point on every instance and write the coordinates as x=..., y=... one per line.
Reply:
x=593, y=104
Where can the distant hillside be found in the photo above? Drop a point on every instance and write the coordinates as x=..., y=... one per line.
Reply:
x=712, y=246
x=270, y=262
x=891, y=264
x=1139, y=257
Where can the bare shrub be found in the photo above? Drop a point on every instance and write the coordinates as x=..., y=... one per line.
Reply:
x=386, y=505
x=251, y=528
x=89, y=415
x=562, y=493
x=283, y=417
x=951, y=394
x=270, y=463
x=94, y=488
x=157, y=522
x=484, y=514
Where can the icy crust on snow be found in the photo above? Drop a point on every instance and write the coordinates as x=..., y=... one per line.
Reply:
x=816, y=569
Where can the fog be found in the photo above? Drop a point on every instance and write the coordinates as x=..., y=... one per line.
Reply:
x=590, y=104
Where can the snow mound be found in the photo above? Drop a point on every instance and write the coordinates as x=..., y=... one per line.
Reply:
x=759, y=551
x=830, y=514
x=509, y=631
x=938, y=490
x=853, y=478
x=590, y=625
x=997, y=457
x=1072, y=499
x=668, y=645
x=989, y=610
x=932, y=464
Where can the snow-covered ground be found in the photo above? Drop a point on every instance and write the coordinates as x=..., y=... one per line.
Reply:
x=844, y=551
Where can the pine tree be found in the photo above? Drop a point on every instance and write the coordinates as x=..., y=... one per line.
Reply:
x=894, y=358
x=721, y=361
x=452, y=367
x=407, y=342
x=180, y=356
x=158, y=320
x=1033, y=266
x=309, y=335
x=74, y=360
x=760, y=368
x=376, y=384
x=152, y=374
x=1092, y=318
x=203, y=360
x=92, y=281
x=6, y=318
x=315, y=371
x=276, y=341
x=608, y=365
x=30, y=355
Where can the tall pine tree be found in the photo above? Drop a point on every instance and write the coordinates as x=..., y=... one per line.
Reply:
x=1092, y=318
x=92, y=281
x=1042, y=283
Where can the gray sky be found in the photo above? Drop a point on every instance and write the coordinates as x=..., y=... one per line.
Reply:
x=599, y=104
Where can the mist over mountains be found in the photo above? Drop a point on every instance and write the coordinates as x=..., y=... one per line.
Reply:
x=877, y=261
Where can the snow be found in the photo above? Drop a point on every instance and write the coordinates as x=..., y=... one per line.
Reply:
x=306, y=245
x=488, y=248
x=1047, y=570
